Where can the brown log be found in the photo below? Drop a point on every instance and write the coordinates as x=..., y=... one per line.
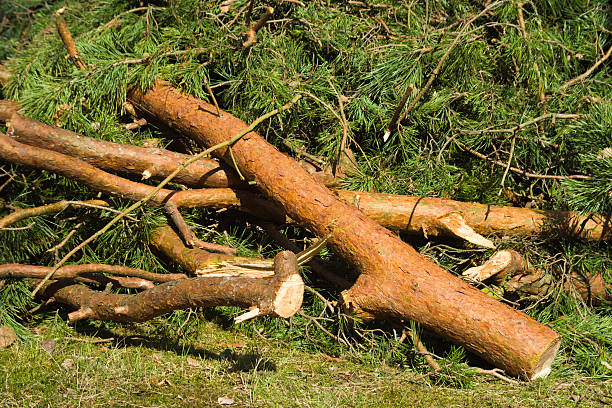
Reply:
x=278, y=295
x=397, y=212
x=90, y=176
x=395, y=281
x=512, y=272
x=145, y=162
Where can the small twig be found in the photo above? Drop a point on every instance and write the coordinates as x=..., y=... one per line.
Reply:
x=345, y=127
x=588, y=72
x=189, y=237
x=61, y=244
x=138, y=204
x=323, y=329
x=137, y=123
x=64, y=33
x=523, y=125
x=30, y=225
x=510, y=157
x=251, y=34
x=420, y=347
x=398, y=110
x=525, y=37
x=438, y=67
x=497, y=373
x=212, y=96
x=91, y=341
x=522, y=172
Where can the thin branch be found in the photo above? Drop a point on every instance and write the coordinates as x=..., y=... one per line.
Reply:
x=64, y=33
x=9, y=271
x=522, y=172
x=588, y=72
x=161, y=185
x=398, y=110
x=48, y=209
x=251, y=34
x=510, y=157
x=523, y=125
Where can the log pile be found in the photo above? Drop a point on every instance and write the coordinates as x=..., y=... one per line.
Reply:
x=395, y=282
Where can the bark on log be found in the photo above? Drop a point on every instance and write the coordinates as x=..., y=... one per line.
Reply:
x=278, y=295
x=396, y=282
x=512, y=272
x=401, y=213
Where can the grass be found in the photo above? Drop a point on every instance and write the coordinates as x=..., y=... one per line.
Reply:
x=141, y=368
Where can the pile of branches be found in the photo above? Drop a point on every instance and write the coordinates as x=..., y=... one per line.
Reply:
x=391, y=281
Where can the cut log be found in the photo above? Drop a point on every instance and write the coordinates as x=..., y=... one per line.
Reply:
x=432, y=216
x=278, y=294
x=395, y=281
x=512, y=272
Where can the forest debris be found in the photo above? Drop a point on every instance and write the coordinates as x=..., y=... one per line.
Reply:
x=456, y=225
x=7, y=336
x=512, y=272
x=64, y=33
x=278, y=295
x=22, y=214
x=70, y=272
x=396, y=282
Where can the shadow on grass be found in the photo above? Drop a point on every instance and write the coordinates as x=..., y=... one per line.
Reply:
x=239, y=361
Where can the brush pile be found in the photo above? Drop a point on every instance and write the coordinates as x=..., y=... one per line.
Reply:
x=480, y=134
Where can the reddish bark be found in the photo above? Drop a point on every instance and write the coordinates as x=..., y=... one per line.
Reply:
x=277, y=295
x=120, y=158
x=396, y=282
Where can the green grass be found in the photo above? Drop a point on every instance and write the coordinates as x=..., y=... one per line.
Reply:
x=140, y=368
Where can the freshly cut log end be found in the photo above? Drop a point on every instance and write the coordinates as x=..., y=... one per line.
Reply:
x=289, y=296
x=543, y=367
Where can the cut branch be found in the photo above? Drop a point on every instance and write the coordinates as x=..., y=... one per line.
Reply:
x=64, y=33
x=396, y=282
x=251, y=34
x=278, y=295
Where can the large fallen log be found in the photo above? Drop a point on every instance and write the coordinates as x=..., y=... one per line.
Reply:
x=432, y=216
x=278, y=293
x=395, y=281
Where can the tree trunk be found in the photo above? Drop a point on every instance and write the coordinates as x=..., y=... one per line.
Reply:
x=396, y=282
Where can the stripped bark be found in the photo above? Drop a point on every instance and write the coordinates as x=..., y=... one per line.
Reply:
x=279, y=295
x=431, y=216
x=396, y=282
x=512, y=272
